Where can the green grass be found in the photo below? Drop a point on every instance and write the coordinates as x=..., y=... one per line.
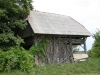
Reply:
x=14, y=72
x=92, y=67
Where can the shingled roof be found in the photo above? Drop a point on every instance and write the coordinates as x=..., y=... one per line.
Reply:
x=48, y=23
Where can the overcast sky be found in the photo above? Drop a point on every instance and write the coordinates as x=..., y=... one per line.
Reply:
x=86, y=12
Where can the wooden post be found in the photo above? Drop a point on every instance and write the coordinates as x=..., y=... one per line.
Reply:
x=53, y=56
x=85, y=49
x=36, y=56
x=70, y=42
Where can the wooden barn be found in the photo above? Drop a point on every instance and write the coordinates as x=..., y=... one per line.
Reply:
x=61, y=31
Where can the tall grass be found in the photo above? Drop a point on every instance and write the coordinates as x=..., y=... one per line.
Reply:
x=92, y=67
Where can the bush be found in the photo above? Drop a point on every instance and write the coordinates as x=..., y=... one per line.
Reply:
x=16, y=57
x=39, y=49
x=95, y=51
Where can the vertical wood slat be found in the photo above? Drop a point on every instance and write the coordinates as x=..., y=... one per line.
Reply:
x=36, y=56
x=71, y=51
x=53, y=57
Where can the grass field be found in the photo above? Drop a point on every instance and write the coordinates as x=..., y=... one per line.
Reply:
x=92, y=67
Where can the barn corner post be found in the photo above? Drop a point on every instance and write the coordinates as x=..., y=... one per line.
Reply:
x=53, y=59
x=36, y=40
x=85, y=48
x=71, y=59
x=36, y=56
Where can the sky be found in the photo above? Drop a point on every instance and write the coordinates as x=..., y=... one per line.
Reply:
x=86, y=12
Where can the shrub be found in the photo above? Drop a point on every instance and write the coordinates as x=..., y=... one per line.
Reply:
x=95, y=51
x=39, y=49
x=16, y=57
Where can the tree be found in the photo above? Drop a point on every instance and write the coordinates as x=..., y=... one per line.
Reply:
x=12, y=16
x=95, y=50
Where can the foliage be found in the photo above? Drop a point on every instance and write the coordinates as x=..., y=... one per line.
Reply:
x=16, y=57
x=95, y=51
x=70, y=69
x=39, y=49
x=12, y=15
x=92, y=67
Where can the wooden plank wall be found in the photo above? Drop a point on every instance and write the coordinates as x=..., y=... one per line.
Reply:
x=59, y=50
